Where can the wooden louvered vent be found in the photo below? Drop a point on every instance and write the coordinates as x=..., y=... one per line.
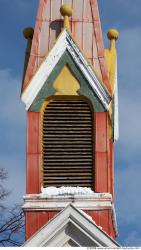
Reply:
x=67, y=143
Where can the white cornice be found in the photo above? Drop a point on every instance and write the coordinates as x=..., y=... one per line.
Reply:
x=86, y=202
x=64, y=43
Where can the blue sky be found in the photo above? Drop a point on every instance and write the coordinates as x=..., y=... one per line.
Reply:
x=125, y=15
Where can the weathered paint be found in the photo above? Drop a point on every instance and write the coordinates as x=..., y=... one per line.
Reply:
x=103, y=219
x=36, y=220
x=111, y=146
x=65, y=44
x=48, y=90
x=101, y=154
x=66, y=83
x=33, y=153
x=85, y=27
x=104, y=155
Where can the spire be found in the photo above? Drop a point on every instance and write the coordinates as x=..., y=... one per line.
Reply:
x=84, y=25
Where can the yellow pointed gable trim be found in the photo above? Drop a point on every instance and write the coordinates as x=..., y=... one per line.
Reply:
x=66, y=83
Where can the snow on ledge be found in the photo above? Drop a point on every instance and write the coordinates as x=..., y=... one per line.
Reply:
x=53, y=191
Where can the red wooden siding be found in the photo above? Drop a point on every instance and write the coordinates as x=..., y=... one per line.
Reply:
x=103, y=219
x=111, y=146
x=33, y=153
x=36, y=220
x=101, y=152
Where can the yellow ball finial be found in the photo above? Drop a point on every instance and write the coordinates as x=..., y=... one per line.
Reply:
x=113, y=34
x=66, y=12
x=28, y=32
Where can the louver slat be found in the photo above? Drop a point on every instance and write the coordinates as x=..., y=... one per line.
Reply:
x=67, y=144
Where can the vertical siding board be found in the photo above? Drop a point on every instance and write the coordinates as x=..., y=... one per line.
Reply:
x=55, y=25
x=101, y=161
x=99, y=43
x=31, y=224
x=103, y=219
x=33, y=152
x=101, y=131
x=87, y=12
x=32, y=132
x=112, y=232
x=104, y=72
x=33, y=174
x=101, y=182
x=41, y=9
x=77, y=24
x=97, y=67
x=70, y=2
x=51, y=38
x=99, y=39
x=95, y=11
x=77, y=30
x=94, y=158
x=45, y=13
x=77, y=11
x=43, y=49
x=94, y=215
x=32, y=65
x=94, y=48
x=88, y=39
x=42, y=218
x=55, y=10
x=36, y=220
x=109, y=167
x=112, y=168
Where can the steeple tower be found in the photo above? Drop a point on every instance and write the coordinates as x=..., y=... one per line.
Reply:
x=70, y=93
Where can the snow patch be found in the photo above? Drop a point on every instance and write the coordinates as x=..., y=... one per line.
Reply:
x=53, y=191
x=88, y=216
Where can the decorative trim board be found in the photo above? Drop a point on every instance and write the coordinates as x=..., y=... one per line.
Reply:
x=64, y=42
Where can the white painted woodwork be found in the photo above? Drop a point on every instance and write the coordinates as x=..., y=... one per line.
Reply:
x=63, y=43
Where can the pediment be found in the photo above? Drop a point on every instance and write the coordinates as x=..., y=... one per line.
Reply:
x=65, y=47
x=71, y=227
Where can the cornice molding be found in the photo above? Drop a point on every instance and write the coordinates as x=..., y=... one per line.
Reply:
x=98, y=201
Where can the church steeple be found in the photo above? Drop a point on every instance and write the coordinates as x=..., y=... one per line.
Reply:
x=70, y=93
x=85, y=27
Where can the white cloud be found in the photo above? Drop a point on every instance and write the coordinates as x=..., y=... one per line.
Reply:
x=129, y=65
x=11, y=108
x=128, y=151
x=133, y=239
x=128, y=182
